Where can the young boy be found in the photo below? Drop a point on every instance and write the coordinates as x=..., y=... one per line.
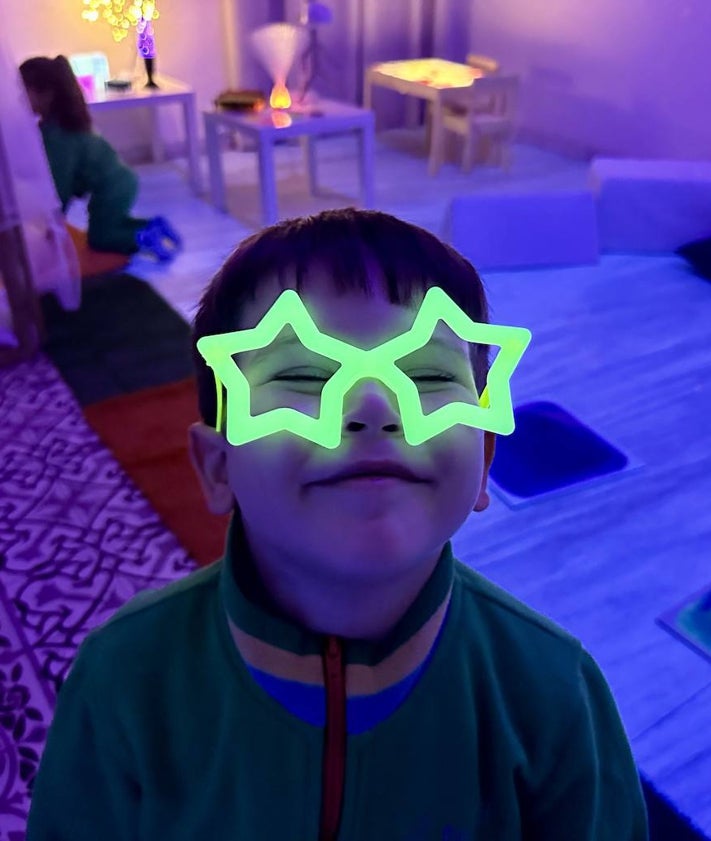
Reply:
x=338, y=674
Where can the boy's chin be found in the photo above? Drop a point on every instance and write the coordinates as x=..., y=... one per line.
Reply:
x=406, y=530
x=373, y=554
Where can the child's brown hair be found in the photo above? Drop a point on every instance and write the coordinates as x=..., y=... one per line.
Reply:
x=345, y=243
x=65, y=105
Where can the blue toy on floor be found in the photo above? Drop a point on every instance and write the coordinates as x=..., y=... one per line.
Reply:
x=160, y=238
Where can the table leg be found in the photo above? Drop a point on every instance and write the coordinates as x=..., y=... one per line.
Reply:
x=366, y=139
x=367, y=92
x=428, y=125
x=157, y=147
x=192, y=144
x=412, y=112
x=436, y=138
x=308, y=144
x=267, y=179
x=214, y=160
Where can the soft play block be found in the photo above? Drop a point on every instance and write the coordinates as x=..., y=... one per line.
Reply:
x=651, y=205
x=550, y=451
x=511, y=230
x=93, y=263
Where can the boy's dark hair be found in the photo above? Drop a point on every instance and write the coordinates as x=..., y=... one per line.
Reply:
x=67, y=106
x=345, y=243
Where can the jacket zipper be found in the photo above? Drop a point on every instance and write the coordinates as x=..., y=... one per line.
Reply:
x=334, y=740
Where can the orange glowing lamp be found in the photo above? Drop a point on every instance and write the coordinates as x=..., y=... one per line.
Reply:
x=280, y=98
x=277, y=45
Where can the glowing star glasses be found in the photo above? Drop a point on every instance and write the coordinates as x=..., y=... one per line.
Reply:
x=493, y=412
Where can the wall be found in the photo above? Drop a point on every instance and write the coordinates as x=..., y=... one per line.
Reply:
x=626, y=78
x=190, y=45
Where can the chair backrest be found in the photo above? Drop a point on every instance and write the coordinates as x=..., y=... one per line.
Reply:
x=483, y=62
x=503, y=91
x=495, y=95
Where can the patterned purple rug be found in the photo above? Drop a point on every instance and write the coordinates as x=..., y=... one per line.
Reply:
x=77, y=540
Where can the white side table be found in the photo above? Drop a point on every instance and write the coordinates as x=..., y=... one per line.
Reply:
x=169, y=92
x=326, y=117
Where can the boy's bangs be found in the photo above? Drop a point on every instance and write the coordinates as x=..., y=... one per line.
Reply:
x=408, y=263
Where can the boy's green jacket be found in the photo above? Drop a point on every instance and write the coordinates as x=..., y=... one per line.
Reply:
x=198, y=714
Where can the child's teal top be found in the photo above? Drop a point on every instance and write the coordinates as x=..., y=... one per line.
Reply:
x=198, y=713
x=84, y=163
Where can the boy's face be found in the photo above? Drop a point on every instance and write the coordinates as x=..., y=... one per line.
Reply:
x=296, y=505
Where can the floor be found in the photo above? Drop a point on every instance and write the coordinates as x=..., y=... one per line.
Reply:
x=624, y=345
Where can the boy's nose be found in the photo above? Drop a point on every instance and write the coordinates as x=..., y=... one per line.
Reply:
x=371, y=405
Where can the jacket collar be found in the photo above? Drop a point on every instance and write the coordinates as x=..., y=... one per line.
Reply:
x=272, y=643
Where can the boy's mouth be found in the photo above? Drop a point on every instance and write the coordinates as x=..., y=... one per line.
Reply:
x=371, y=470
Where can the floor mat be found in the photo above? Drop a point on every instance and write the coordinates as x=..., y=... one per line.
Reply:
x=123, y=338
x=126, y=355
x=147, y=433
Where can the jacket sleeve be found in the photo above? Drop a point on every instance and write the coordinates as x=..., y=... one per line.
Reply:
x=84, y=789
x=592, y=791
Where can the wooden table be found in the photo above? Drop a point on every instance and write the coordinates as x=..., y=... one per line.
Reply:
x=266, y=127
x=423, y=78
x=169, y=92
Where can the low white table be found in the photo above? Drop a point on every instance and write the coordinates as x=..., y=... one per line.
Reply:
x=169, y=92
x=266, y=127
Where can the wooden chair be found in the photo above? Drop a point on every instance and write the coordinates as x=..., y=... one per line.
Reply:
x=486, y=65
x=485, y=113
x=483, y=62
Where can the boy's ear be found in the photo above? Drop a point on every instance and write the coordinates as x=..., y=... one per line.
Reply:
x=208, y=454
x=483, y=500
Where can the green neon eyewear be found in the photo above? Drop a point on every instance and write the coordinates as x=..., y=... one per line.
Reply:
x=494, y=411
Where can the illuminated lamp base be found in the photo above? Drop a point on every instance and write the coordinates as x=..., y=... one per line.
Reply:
x=280, y=98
